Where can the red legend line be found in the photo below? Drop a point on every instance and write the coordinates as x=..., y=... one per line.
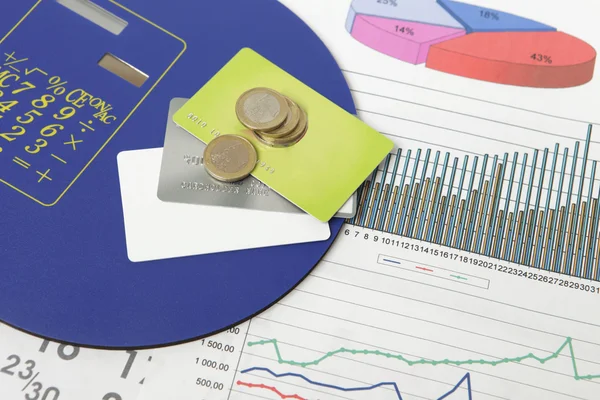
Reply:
x=272, y=389
x=424, y=269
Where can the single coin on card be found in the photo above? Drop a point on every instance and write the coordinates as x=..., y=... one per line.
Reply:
x=229, y=158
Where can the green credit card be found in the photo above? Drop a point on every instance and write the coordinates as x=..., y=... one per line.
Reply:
x=320, y=172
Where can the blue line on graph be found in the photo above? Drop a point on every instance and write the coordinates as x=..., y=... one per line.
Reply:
x=392, y=261
x=466, y=378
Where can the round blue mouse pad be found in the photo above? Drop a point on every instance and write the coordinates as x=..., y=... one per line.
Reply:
x=65, y=115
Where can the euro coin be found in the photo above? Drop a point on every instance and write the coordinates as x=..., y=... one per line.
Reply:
x=290, y=124
x=229, y=158
x=289, y=140
x=261, y=109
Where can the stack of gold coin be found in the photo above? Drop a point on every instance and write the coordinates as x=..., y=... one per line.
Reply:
x=275, y=119
x=229, y=158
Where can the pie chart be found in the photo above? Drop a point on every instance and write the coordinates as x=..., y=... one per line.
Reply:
x=473, y=42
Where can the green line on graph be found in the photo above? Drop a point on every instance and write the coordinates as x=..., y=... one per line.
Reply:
x=458, y=277
x=568, y=344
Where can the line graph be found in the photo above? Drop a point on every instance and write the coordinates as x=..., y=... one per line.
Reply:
x=271, y=388
x=346, y=328
x=465, y=380
x=505, y=207
x=568, y=344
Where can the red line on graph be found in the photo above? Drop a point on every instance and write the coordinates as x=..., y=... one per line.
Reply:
x=424, y=269
x=272, y=389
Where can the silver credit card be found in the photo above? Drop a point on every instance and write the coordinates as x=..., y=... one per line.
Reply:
x=183, y=178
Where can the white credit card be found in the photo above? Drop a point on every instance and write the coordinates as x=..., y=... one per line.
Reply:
x=157, y=230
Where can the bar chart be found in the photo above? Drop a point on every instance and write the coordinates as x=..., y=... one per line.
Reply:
x=539, y=209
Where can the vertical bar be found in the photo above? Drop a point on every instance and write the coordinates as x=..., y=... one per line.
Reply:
x=412, y=184
x=381, y=213
x=472, y=213
x=362, y=202
x=547, y=241
x=439, y=226
x=579, y=239
x=483, y=176
x=527, y=232
x=506, y=245
x=395, y=212
x=451, y=218
x=450, y=187
x=569, y=196
x=405, y=196
x=584, y=250
x=439, y=193
x=503, y=225
x=529, y=252
x=462, y=225
x=413, y=204
x=448, y=196
x=422, y=207
x=595, y=229
x=359, y=193
x=384, y=173
x=430, y=218
x=547, y=208
x=537, y=234
x=363, y=216
x=552, y=250
x=386, y=205
x=587, y=245
x=570, y=232
x=482, y=214
x=523, y=232
x=389, y=216
x=372, y=210
x=515, y=253
x=483, y=228
x=586, y=150
x=455, y=242
x=413, y=215
x=428, y=204
x=497, y=240
x=496, y=205
x=517, y=204
x=459, y=197
x=556, y=254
